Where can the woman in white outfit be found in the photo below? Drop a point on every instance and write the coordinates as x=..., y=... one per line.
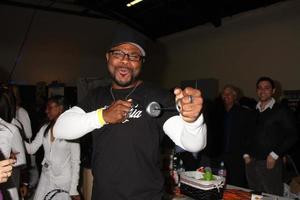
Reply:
x=8, y=190
x=61, y=159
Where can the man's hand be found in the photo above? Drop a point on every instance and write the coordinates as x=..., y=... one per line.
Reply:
x=117, y=112
x=190, y=102
x=270, y=162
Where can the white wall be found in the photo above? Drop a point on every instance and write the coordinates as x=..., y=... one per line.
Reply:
x=260, y=42
x=59, y=47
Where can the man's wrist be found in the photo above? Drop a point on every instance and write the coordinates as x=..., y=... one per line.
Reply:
x=100, y=117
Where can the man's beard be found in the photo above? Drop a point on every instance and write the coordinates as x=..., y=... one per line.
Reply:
x=125, y=83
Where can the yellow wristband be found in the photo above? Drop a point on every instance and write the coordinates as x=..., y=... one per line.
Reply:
x=100, y=116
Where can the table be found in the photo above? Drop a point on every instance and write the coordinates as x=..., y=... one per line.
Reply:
x=265, y=195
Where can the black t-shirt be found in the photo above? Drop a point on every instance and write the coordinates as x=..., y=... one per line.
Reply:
x=126, y=156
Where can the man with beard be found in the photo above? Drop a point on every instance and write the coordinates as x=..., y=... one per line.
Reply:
x=126, y=156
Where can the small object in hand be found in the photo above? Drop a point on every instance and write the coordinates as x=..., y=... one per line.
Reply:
x=191, y=98
x=153, y=109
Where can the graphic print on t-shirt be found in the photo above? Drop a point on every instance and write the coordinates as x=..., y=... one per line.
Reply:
x=134, y=112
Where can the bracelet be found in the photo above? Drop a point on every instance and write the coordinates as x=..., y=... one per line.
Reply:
x=100, y=117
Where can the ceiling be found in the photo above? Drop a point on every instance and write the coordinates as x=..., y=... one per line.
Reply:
x=154, y=18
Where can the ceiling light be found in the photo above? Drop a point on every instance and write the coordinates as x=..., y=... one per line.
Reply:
x=133, y=3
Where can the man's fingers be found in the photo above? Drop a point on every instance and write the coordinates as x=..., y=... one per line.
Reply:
x=127, y=103
x=178, y=94
x=117, y=111
x=177, y=91
x=187, y=95
x=191, y=91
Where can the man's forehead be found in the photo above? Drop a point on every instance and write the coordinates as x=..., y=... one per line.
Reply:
x=264, y=83
x=128, y=47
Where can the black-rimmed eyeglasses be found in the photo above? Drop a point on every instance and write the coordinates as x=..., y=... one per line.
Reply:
x=119, y=54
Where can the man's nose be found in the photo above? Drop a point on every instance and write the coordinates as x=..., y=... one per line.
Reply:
x=126, y=58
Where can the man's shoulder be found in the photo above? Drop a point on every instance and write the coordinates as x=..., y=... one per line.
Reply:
x=283, y=110
x=94, y=98
x=96, y=93
x=280, y=108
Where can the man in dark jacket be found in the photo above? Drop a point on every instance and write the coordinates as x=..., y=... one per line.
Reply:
x=274, y=134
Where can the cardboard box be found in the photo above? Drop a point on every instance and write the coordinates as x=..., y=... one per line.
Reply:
x=295, y=185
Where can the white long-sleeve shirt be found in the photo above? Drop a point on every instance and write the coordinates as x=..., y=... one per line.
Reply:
x=61, y=163
x=23, y=117
x=75, y=123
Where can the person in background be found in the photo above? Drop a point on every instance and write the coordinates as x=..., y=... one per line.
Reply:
x=21, y=174
x=22, y=121
x=21, y=114
x=236, y=127
x=274, y=134
x=126, y=151
x=11, y=143
x=294, y=153
x=6, y=166
x=61, y=162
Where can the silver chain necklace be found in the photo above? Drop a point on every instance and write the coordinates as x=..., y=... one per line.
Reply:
x=130, y=93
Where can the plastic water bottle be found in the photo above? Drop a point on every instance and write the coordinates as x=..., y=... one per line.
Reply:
x=174, y=168
x=178, y=167
x=222, y=170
